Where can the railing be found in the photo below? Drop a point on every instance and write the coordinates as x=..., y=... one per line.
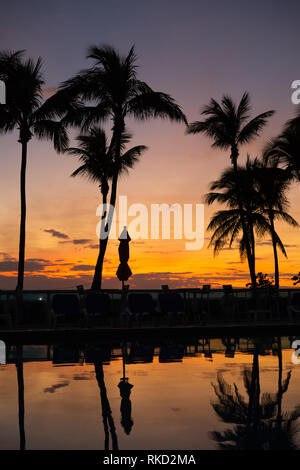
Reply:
x=204, y=305
x=203, y=347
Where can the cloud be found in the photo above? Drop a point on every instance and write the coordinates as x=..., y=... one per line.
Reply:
x=55, y=387
x=9, y=264
x=57, y=234
x=83, y=267
x=82, y=241
x=82, y=274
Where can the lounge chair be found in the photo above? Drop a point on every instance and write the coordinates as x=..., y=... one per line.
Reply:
x=97, y=306
x=66, y=307
x=97, y=354
x=171, y=304
x=228, y=302
x=140, y=354
x=230, y=346
x=294, y=307
x=65, y=355
x=171, y=353
x=5, y=315
x=140, y=305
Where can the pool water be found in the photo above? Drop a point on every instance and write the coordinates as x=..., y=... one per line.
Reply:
x=205, y=395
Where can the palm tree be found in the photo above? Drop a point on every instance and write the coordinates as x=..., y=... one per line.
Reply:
x=115, y=93
x=108, y=421
x=285, y=149
x=258, y=422
x=98, y=166
x=229, y=127
x=25, y=111
x=272, y=185
x=246, y=201
x=21, y=401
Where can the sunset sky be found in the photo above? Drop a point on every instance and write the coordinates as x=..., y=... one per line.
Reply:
x=192, y=50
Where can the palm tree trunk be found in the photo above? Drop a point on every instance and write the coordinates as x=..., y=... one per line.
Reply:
x=19, y=366
x=106, y=410
x=23, y=218
x=276, y=264
x=244, y=226
x=115, y=152
x=254, y=393
x=280, y=392
x=252, y=240
x=97, y=280
x=253, y=248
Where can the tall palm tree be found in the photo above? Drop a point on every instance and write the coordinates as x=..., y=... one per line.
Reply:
x=25, y=112
x=21, y=401
x=230, y=128
x=227, y=224
x=258, y=423
x=98, y=166
x=112, y=91
x=272, y=184
x=285, y=149
x=108, y=421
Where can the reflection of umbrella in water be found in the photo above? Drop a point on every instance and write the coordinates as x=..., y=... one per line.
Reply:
x=124, y=271
x=125, y=391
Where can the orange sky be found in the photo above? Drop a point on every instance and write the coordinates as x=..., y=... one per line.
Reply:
x=178, y=171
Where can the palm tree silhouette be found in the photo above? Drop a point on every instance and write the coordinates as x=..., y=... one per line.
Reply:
x=229, y=127
x=116, y=93
x=272, y=184
x=98, y=166
x=259, y=422
x=21, y=401
x=227, y=224
x=284, y=149
x=25, y=112
x=108, y=421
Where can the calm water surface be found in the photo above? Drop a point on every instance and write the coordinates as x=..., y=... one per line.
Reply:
x=198, y=396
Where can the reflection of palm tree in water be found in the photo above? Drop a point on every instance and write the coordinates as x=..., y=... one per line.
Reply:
x=230, y=344
x=19, y=366
x=108, y=421
x=258, y=423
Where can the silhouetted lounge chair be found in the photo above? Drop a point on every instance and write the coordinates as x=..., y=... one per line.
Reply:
x=140, y=305
x=97, y=305
x=66, y=307
x=294, y=307
x=171, y=353
x=65, y=355
x=171, y=304
x=5, y=315
x=140, y=353
x=97, y=354
x=230, y=346
x=228, y=302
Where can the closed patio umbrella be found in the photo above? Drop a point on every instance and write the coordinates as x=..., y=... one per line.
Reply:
x=124, y=271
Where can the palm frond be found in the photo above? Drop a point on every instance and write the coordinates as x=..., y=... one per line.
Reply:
x=253, y=127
